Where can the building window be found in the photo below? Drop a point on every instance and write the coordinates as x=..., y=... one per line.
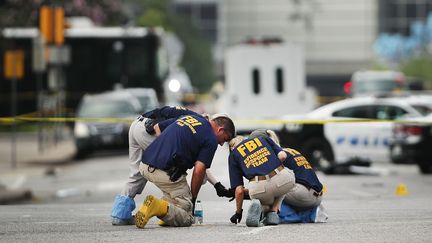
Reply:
x=396, y=16
x=256, y=81
x=203, y=15
x=279, y=80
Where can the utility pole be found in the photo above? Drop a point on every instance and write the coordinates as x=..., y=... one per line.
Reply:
x=51, y=27
x=14, y=70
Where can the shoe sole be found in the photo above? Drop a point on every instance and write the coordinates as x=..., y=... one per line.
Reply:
x=272, y=219
x=141, y=217
x=120, y=222
x=254, y=215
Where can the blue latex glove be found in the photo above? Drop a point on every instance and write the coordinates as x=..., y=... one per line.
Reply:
x=123, y=207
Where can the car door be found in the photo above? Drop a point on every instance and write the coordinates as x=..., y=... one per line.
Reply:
x=363, y=140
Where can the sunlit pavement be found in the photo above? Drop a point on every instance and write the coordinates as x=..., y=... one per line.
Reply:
x=72, y=202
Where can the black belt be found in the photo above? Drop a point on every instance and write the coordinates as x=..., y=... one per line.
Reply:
x=150, y=168
x=269, y=175
x=141, y=118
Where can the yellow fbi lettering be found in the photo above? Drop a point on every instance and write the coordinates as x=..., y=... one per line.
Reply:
x=190, y=122
x=259, y=153
x=293, y=152
x=250, y=146
x=258, y=158
x=300, y=160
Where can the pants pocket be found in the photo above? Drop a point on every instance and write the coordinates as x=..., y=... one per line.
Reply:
x=284, y=177
x=256, y=188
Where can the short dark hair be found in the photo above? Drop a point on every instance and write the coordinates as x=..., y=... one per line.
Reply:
x=227, y=124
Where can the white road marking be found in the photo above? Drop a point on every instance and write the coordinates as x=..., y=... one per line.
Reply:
x=55, y=222
x=256, y=230
x=361, y=193
x=111, y=185
x=68, y=192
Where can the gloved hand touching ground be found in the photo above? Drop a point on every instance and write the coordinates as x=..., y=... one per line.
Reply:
x=236, y=218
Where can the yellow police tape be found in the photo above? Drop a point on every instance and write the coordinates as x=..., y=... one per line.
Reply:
x=268, y=122
x=11, y=120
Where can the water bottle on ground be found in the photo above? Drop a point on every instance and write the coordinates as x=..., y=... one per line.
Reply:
x=199, y=212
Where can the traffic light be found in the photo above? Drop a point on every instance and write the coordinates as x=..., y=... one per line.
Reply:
x=46, y=23
x=51, y=24
x=59, y=26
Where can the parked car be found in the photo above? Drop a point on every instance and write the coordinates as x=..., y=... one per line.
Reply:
x=146, y=97
x=421, y=101
x=372, y=82
x=119, y=108
x=326, y=141
x=412, y=142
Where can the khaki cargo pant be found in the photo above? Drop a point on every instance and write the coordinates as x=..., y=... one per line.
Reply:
x=176, y=193
x=301, y=198
x=139, y=140
x=271, y=191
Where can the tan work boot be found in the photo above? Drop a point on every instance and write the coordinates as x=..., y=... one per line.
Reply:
x=152, y=206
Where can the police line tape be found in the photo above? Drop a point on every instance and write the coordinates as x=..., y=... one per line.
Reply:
x=321, y=122
x=268, y=122
x=11, y=120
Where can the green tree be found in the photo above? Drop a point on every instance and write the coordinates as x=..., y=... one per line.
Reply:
x=197, y=58
x=153, y=17
x=419, y=67
x=22, y=13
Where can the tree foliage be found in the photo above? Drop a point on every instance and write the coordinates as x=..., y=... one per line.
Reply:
x=197, y=59
x=419, y=67
x=24, y=13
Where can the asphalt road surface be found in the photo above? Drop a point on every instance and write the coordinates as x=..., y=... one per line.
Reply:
x=73, y=202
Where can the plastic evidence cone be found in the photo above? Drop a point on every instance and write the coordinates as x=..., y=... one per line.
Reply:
x=401, y=190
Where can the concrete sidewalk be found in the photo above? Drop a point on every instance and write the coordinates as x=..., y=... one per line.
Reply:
x=28, y=158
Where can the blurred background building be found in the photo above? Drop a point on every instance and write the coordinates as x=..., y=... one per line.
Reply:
x=337, y=35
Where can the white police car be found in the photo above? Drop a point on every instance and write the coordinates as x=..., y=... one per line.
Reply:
x=412, y=142
x=327, y=135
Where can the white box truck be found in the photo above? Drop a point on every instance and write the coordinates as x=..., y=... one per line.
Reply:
x=265, y=81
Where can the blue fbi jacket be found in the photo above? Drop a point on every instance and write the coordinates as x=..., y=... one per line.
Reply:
x=167, y=115
x=190, y=138
x=168, y=112
x=303, y=171
x=252, y=157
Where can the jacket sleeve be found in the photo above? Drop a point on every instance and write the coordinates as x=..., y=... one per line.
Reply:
x=168, y=112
